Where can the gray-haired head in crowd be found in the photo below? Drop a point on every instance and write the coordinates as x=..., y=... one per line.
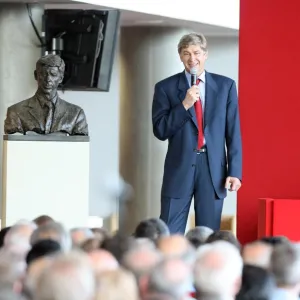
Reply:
x=53, y=231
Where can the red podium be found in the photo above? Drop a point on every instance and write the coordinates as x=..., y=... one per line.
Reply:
x=279, y=217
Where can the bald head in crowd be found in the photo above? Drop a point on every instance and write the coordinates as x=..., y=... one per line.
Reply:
x=176, y=246
x=218, y=270
x=17, y=239
x=70, y=276
x=52, y=231
x=257, y=254
x=172, y=277
x=34, y=270
x=103, y=261
x=116, y=285
x=141, y=262
x=80, y=235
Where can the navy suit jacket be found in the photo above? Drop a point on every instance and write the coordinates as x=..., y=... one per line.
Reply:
x=179, y=126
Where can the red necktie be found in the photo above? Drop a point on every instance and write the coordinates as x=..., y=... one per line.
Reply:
x=199, y=116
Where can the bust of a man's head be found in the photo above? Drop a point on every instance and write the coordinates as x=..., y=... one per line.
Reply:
x=49, y=73
x=45, y=112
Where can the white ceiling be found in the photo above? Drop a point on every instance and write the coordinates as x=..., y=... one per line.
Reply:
x=131, y=18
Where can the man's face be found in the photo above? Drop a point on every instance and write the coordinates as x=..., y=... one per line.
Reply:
x=48, y=79
x=193, y=57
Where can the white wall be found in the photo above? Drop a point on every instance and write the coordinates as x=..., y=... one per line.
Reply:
x=201, y=11
x=18, y=55
x=223, y=56
x=149, y=55
x=102, y=112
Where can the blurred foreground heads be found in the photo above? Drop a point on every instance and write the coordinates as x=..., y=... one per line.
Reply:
x=69, y=276
x=218, y=271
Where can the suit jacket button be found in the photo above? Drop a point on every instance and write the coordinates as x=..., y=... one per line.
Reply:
x=193, y=165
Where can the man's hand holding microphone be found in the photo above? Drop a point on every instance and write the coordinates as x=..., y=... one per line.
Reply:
x=192, y=95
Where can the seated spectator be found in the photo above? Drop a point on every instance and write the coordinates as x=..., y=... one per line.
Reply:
x=274, y=240
x=153, y=229
x=12, y=271
x=257, y=284
x=285, y=266
x=42, y=248
x=223, y=235
x=17, y=239
x=198, y=235
x=257, y=254
x=100, y=233
x=52, y=231
x=3, y=232
x=116, y=285
x=43, y=219
x=144, y=243
x=118, y=245
x=171, y=277
x=102, y=261
x=34, y=270
x=80, y=235
x=177, y=246
x=141, y=262
x=218, y=271
x=91, y=245
x=68, y=277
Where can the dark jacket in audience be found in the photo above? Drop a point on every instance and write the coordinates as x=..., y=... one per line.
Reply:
x=42, y=248
x=257, y=284
x=152, y=229
x=3, y=232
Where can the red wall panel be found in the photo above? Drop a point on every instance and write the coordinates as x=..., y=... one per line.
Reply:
x=269, y=95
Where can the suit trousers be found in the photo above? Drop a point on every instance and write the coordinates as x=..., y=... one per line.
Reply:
x=208, y=208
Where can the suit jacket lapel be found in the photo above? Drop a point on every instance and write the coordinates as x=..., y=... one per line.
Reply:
x=183, y=86
x=211, y=98
x=36, y=111
x=58, y=114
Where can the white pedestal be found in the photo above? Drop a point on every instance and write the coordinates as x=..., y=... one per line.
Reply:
x=45, y=174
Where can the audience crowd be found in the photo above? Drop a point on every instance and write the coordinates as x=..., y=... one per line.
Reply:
x=41, y=260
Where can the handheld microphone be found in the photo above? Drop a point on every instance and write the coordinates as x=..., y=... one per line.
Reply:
x=193, y=76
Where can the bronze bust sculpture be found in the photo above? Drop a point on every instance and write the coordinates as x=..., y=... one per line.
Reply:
x=46, y=112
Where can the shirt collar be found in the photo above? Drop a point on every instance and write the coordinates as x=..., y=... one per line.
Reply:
x=44, y=101
x=201, y=77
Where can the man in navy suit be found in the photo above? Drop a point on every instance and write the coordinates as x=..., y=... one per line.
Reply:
x=198, y=121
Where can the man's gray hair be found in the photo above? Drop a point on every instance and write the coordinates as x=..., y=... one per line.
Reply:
x=15, y=236
x=257, y=254
x=200, y=233
x=144, y=243
x=89, y=234
x=218, y=267
x=141, y=261
x=54, y=231
x=12, y=269
x=192, y=39
x=171, y=277
x=70, y=276
x=51, y=60
x=285, y=264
